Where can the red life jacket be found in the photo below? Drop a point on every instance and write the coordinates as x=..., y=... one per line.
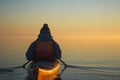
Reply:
x=44, y=49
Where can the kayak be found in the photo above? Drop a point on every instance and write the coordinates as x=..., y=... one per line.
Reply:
x=48, y=72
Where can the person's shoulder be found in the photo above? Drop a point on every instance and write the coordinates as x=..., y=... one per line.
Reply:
x=54, y=42
x=34, y=42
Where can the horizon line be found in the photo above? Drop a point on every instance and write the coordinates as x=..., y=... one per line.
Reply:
x=69, y=35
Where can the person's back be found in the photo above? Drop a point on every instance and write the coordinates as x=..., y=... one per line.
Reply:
x=43, y=44
x=44, y=49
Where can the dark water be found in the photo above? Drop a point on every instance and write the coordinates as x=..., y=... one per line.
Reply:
x=100, y=55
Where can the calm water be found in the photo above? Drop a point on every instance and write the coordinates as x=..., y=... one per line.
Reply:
x=102, y=52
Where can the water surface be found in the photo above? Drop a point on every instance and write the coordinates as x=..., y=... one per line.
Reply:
x=101, y=52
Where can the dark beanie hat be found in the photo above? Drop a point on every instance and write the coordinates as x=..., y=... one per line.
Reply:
x=45, y=29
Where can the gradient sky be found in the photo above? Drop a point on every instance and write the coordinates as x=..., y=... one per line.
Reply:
x=87, y=28
x=64, y=17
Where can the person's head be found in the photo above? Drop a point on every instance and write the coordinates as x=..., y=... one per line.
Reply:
x=45, y=29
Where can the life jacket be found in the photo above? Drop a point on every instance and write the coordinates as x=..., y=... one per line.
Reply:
x=44, y=50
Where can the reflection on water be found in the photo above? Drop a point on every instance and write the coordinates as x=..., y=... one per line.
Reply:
x=91, y=50
x=100, y=52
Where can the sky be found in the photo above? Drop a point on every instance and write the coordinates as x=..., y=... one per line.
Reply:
x=64, y=17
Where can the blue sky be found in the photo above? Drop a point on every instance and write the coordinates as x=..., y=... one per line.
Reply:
x=83, y=16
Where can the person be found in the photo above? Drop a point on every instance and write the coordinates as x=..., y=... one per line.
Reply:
x=43, y=49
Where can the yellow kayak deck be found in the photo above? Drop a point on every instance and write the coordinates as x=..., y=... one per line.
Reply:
x=49, y=73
